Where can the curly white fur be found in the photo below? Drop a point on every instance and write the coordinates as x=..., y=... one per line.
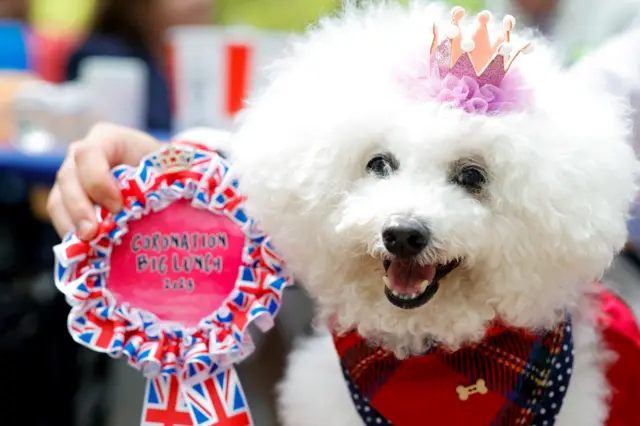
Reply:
x=551, y=220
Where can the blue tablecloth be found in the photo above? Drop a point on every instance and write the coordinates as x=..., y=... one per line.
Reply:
x=33, y=168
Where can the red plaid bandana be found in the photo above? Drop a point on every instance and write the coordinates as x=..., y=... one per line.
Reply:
x=510, y=378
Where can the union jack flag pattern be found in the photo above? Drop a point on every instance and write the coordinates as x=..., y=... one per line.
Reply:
x=90, y=330
x=192, y=379
x=164, y=404
x=218, y=400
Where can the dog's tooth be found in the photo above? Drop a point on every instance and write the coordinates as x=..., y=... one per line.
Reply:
x=385, y=280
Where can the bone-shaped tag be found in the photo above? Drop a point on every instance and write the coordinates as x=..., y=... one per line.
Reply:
x=479, y=387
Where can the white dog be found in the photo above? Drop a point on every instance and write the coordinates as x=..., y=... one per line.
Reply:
x=425, y=221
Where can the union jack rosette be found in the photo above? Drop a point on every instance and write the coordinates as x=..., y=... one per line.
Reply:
x=181, y=246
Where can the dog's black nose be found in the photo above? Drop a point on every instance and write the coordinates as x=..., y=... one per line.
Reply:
x=404, y=236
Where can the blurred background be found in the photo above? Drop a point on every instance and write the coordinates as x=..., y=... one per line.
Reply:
x=161, y=66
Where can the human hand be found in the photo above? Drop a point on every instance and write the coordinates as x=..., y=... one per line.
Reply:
x=85, y=179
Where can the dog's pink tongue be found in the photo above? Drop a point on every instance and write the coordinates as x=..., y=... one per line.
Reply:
x=407, y=277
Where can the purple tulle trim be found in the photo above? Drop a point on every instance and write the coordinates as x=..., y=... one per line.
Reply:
x=465, y=93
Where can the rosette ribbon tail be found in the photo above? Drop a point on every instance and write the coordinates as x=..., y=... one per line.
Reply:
x=214, y=399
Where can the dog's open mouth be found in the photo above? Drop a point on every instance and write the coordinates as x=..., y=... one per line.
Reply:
x=409, y=285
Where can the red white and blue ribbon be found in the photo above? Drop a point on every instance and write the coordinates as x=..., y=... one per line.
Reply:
x=191, y=378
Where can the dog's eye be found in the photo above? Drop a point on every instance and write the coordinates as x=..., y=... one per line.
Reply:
x=471, y=177
x=382, y=165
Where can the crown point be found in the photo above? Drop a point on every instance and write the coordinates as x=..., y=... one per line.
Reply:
x=467, y=45
x=505, y=49
x=508, y=23
x=528, y=49
x=484, y=17
x=457, y=13
x=452, y=31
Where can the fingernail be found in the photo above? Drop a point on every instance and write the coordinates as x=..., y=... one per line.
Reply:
x=113, y=205
x=85, y=229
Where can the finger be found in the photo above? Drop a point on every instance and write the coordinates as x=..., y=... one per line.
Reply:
x=106, y=146
x=76, y=203
x=95, y=178
x=121, y=145
x=57, y=213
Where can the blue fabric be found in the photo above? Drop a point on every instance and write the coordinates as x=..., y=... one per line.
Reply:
x=158, y=93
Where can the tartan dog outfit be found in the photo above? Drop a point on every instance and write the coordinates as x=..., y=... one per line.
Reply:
x=512, y=377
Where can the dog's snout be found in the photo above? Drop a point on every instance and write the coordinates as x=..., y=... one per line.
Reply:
x=405, y=236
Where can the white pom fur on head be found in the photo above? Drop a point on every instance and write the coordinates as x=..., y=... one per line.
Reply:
x=549, y=220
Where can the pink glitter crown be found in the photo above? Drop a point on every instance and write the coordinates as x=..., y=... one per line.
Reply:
x=471, y=74
x=475, y=57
